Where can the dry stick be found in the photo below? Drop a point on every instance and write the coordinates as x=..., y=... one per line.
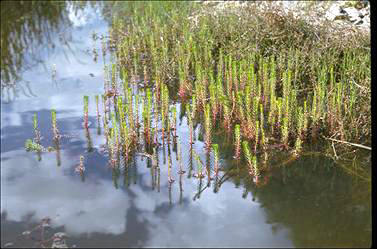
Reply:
x=333, y=147
x=224, y=179
x=294, y=157
x=352, y=172
x=199, y=192
x=356, y=174
x=345, y=142
x=362, y=87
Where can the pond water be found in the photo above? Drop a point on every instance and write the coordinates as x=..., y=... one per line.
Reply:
x=308, y=202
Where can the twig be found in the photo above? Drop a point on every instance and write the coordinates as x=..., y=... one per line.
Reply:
x=144, y=154
x=350, y=171
x=362, y=87
x=199, y=192
x=333, y=147
x=345, y=142
x=305, y=89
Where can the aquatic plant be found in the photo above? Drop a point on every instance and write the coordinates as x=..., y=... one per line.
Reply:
x=121, y=117
x=263, y=138
x=30, y=145
x=285, y=131
x=147, y=117
x=54, y=125
x=213, y=98
x=89, y=143
x=228, y=72
x=80, y=168
x=182, y=82
x=189, y=122
x=256, y=135
x=103, y=43
x=37, y=133
x=227, y=116
x=86, y=115
x=194, y=106
x=164, y=111
x=130, y=110
x=298, y=146
x=98, y=115
x=95, y=54
x=314, y=114
x=208, y=168
x=106, y=129
x=113, y=143
x=168, y=128
x=199, y=174
x=255, y=168
x=241, y=113
x=272, y=114
x=174, y=121
x=146, y=76
x=127, y=142
x=112, y=149
x=113, y=78
x=156, y=114
x=115, y=135
x=163, y=122
x=251, y=160
x=179, y=154
x=137, y=105
x=255, y=111
x=279, y=114
x=170, y=178
x=180, y=189
x=305, y=119
x=208, y=127
x=215, y=148
x=273, y=94
x=237, y=142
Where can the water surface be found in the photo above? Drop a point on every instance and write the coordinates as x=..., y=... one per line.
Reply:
x=309, y=202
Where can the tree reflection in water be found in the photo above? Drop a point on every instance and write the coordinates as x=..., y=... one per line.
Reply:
x=308, y=195
x=28, y=34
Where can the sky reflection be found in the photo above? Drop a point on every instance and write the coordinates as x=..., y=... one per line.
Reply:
x=42, y=189
x=220, y=220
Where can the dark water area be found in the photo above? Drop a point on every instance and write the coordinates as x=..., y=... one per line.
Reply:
x=47, y=62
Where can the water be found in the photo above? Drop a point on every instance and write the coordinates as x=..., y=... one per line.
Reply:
x=309, y=202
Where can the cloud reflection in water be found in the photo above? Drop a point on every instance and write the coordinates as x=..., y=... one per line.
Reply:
x=45, y=190
x=209, y=221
